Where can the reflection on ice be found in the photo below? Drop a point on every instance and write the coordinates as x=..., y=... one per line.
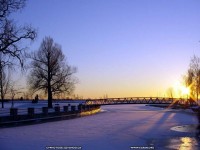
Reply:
x=183, y=143
x=188, y=143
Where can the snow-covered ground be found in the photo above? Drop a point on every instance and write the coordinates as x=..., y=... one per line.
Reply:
x=117, y=127
x=40, y=104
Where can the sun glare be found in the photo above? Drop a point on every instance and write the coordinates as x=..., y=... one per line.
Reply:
x=181, y=90
x=185, y=90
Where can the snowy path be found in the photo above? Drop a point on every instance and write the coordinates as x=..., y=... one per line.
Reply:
x=117, y=127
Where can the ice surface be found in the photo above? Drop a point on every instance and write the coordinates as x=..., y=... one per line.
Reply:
x=117, y=127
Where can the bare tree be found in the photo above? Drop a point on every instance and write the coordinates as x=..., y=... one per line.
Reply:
x=49, y=70
x=5, y=68
x=11, y=35
x=14, y=90
x=9, y=6
x=188, y=80
x=194, y=75
x=170, y=92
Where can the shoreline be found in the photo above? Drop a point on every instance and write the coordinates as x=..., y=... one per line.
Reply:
x=57, y=115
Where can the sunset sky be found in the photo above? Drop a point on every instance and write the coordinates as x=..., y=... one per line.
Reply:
x=121, y=48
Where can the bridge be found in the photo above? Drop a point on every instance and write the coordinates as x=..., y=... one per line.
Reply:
x=139, y=100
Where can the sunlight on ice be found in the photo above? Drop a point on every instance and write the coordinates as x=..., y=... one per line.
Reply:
x=183, y=143
x=187, y=143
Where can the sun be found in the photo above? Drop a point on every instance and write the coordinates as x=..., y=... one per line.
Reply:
x=181, y=90
x=185, y=90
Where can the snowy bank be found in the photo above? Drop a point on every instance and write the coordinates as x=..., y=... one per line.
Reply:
x=30, y=115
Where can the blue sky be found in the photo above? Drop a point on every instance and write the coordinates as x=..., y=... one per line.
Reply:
x=120, y=47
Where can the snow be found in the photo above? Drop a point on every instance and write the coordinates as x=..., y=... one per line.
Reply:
x=40, y=104
x=116, y=127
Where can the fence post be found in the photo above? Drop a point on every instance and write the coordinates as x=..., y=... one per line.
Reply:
x=80, y=107
x=65, y=108
x=83, y=107
x=13, y=112
x=73, y=108
x=45, y=110
x=57, y=109
x=30, y=112
x=88, y=107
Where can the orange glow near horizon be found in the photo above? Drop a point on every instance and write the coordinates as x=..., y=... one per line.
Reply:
x=115, y=92
x=131, y=86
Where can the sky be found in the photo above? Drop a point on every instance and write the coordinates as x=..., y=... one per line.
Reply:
x=122, y=48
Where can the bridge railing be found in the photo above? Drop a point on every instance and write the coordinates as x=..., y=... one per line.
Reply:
x=134, y=100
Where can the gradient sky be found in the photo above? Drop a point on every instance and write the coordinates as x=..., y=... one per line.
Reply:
x=121, y=47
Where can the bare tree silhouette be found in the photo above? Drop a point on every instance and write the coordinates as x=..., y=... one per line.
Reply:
x=49, y=70
x=170, y=92
x=194, y=75
x=5, y=68
x=12, y=35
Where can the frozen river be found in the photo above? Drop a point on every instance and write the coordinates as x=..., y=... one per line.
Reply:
x=117, y=127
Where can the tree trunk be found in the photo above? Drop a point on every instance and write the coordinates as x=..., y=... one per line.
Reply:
x=49, y=95
x=49, y=82
x=2, y=103
x=2, y=97
x=1, y=82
